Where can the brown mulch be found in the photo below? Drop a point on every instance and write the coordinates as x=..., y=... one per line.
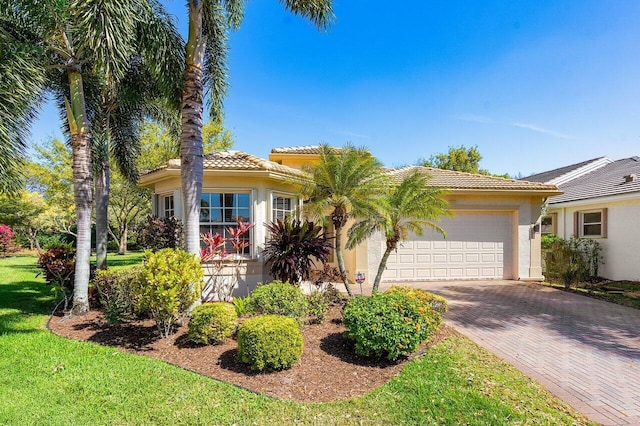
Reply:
x=328, y=370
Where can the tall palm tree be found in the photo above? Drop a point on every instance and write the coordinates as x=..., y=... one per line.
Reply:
x=409, y=207
x=68, y=42
x=205, y=67
x=345, y=184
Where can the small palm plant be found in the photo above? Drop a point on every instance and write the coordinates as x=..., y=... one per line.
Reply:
x=408, y=207
x=293, y=248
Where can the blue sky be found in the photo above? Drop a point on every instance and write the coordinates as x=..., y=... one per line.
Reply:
x=535, y=85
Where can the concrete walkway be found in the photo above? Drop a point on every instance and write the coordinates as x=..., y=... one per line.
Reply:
x=585, y=351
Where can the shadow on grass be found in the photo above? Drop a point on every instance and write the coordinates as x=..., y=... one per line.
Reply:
x=601, y=325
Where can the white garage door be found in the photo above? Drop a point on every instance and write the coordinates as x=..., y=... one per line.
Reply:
x=478, y=246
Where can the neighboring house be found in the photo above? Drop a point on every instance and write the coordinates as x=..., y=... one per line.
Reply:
x=600, y=200
x=492, y=235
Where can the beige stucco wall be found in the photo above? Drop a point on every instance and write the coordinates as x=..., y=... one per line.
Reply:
x=621, y=247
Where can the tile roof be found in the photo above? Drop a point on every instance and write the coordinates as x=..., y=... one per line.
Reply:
x=309, y=149
x=556, y=173
x=237, y=160
x=605, y=181
x=459, y=180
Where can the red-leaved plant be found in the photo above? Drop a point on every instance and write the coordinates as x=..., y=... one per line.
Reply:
x=6, y=240
x=216, y=259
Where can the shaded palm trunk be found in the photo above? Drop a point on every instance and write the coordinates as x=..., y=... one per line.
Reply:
x=191, y=137
x=102, y=183
x=339, y=219
x=82, y=189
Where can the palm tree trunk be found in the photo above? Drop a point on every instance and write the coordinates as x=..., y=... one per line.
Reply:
x=102, y=206
x=343, y=271
x=191, y=137
x=381, y=267
x=82, y=189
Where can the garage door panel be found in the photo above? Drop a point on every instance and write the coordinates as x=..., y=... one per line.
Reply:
x=478, y=245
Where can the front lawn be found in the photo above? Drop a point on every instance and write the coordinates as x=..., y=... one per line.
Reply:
x=50, y=380
x=625, y=293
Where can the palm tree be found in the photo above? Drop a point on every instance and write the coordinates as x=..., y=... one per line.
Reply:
x=209, y=21
x=345, y=184
x=65, y=44
x=409, y=207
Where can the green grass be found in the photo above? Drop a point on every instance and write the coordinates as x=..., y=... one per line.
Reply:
x=50, y=380
x=117, y=261
x=599, y=293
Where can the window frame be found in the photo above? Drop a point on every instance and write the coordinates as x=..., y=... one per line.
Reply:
x=295, y=204
x=162, y=208
x=602, y=223
x=223, y=224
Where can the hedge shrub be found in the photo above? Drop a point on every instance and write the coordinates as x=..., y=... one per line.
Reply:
x=278, y=298
x=435, y=302
x=269, y=342
x=387, y=325
x=172, y=283
x=212, y=322
x=119, y=293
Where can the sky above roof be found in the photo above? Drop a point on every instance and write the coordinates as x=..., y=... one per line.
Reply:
x=535, y=85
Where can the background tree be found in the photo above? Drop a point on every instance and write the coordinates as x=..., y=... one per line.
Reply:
x=159, y=144
x=346, y=184
x=206, y=66
x=129, y=205
x=408, y=207
x=458, y=158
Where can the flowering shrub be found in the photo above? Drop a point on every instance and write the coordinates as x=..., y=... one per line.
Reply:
x=6, y=240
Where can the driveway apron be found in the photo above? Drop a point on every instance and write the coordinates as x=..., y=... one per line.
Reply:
x=583, y=350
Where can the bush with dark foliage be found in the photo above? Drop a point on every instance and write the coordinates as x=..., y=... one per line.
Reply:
x=160, y=233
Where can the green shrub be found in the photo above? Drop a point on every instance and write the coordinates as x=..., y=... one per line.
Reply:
x=278, y=298
x=547, y=240
x=159, y=233
x=212, y=322
x=435, y=302
x=242, y=305
x=172, y=283
x=317, y=306
x=119, y=293
x=271, y=342
x=387, y=325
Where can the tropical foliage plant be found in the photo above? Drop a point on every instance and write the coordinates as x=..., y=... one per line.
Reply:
x=119, y=293
x=347, y=183
x=293, y=248
x=222, y=265
x=408, y=207
x=58, y=267
x=172, y=284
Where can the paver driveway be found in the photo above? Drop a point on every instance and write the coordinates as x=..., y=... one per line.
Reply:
x=583, y=350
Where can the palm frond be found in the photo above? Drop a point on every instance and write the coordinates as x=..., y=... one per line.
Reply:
x=320, y=12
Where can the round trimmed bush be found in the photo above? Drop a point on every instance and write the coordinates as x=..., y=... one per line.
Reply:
x=212, y=322
x=269, y=342
x=278, y=298
x=437, y=303
x=387, y=325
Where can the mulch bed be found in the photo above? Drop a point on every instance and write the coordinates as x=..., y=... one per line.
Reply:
x=328, y=370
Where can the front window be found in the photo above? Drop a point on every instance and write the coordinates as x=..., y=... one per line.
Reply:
x=548, y=224
x=282, y=207
x=591, y=224
x=220, y=211
x=166, y=206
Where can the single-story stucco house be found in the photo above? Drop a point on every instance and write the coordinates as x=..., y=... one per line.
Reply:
x=600, y=200
x=494, y=233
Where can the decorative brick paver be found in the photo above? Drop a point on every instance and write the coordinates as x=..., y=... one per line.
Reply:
x=583, y=350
